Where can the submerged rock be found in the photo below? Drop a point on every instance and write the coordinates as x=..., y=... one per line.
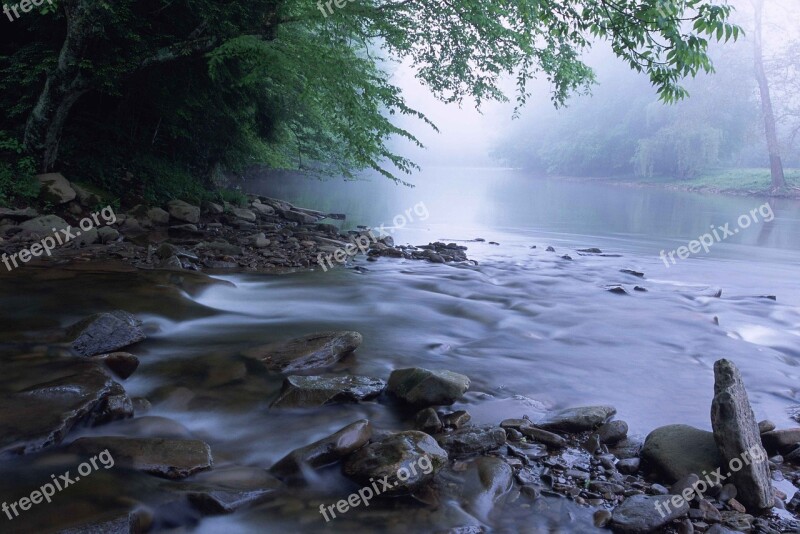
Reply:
x=485, y=482
x=304, y=391
x=308, y=352
x=324, y=452
x=105, y=332
x=217, y=502
x=168, y=458
x=74, y=392
x=644, y=513
x=406, y=460
x=577, y=419
x=422, y=387
x=122, y=364
x=428, y=421
x=737, y=436
x=679, y=450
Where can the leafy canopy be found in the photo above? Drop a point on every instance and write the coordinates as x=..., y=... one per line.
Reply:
x=190, y=88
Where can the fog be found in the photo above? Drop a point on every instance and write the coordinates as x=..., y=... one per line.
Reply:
x=729, y=136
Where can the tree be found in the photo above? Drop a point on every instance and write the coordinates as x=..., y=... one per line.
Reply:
x=201, y=84
x=770, y=128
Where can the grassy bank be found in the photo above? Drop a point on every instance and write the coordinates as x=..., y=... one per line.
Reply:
x=728, y=181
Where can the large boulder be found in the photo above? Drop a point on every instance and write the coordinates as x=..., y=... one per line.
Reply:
x=167, y=458
x=56, y=189
x=69, y=392
x=405, y=460
x=737, y=436
x=422, y=387
x=305, y=391
x=18, y=214
x=324, y=452
x=105, y=332
x=641, y=514
x=308, y=352
x=577, y=419
x=183, y=211
x=680, y=450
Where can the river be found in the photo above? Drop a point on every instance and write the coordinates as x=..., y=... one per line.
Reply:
x=531, y=329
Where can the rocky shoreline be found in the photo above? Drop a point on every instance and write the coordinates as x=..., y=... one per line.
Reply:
x=267, y=235
x=582, y=455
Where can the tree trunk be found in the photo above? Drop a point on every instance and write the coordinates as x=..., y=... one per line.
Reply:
x=770, y=129
x=64, y=86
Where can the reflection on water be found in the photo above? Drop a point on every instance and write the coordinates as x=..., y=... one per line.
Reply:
x=523, y=324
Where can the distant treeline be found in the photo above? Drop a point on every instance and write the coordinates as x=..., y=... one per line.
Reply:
x=623, y=130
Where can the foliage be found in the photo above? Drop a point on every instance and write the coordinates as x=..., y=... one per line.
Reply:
x=176, y=93
x=16, y=172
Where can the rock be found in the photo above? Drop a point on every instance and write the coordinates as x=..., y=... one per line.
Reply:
x=486, y=480
x=83, y=239
x=296, y=216
x=577, y=419
x=183, y=211
x=766, y=426
x=122, y=364
x=105, y=332
x=686, y=482
x=18, y=214
x=168, y=458
x=628, y=466
x=135, y=522
x=107, y=234
x=472, y=440
x=308, y=352
x=244, y=214
x=422, y=387
x=781, y=441
x=71, y=392
x=631, y=272
x=543, y=436
x=617, y=290
x=45, y=225
x=217, y=502
x=323, y=452
x=738, y=439
x=305, y=391
x=643, y=513
x=213, y=208
x=456, y=419
x=550, y=249
x=427, y=420
x=263, y=209
x=601, y=518
x=158, y=216
x=679, y=450
x=613, y=432
x=408, y=460
x=88, y=196
x=55, y=188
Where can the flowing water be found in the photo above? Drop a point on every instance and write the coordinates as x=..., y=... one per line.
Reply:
x=532, y=330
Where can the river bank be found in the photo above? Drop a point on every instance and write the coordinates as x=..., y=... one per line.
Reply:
x=739, y=183
x=265, y=235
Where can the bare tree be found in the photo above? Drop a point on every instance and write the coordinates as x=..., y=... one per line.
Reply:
x=770, y=128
